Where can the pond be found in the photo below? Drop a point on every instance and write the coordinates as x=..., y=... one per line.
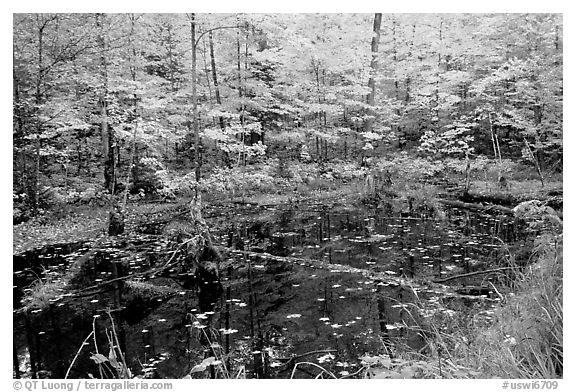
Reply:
x=323, y=284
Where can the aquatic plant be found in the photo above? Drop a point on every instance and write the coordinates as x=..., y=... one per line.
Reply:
x=112, y=365
x=42, y=292
x=522, y=335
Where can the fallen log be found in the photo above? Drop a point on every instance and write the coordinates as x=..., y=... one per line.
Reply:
x=153, y=271
x=378, y=276
x=477, y=207
x=472, y=274
x=499, y=198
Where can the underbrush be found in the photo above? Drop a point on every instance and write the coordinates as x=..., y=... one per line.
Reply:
x=521, y=336
x=43, y=293
x=519, y=190
x=508, y=177
x=526, y=339
x=78, y=224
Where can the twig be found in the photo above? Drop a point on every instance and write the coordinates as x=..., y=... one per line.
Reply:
x=313, y=364
x=295, y=358
x=496, y=291
x=472, y=274
x=221, y=359
x=78, y=353
x=355, y=373
x=314, y=352
x=175, y=252
x=96, y=347
x=117, y=343
x=144, y=273
x=242, y=370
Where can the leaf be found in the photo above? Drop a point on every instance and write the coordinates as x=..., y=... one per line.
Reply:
x=383, y=361
x=384, y=373
x=113, y=360
x=408, y=372
x=202, y=366
x=124, y=371
x=115, y=363
x=198, y=368
x=99, y=358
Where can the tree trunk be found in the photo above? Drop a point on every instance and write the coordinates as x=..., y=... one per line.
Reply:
x=467, y=181
x=239, y=68
x=34, y=186
x=215, y=78
x=495, y=146
x=20, y=155
x=395, y=58
x=241, y=158
x=206, y=71
x=407, y=82
x=253, y=136
x=535, y=162
x=373, y=69
x=132, y=66
x=106, y=131
x=436, y=117
x=396, y=83
x=195, y=126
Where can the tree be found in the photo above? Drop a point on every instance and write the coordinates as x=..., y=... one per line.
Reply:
x=107, y=132
x=373, y=69
x=331, y=84
x=44, y=47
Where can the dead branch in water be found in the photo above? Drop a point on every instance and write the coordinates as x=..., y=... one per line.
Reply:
x=472, y=274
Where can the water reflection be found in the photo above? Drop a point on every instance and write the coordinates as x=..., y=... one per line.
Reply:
x=264, y=310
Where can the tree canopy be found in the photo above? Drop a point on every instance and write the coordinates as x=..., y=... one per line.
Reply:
x=120, y=89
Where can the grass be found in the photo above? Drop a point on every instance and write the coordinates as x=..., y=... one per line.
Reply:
x=521, y=338
x=43, y=293
x=526, y=340
x=517, y=189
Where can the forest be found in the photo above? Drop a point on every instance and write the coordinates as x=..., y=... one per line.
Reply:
x=326, y=196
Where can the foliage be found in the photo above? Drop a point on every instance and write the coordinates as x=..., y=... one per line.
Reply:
x=447, y=84
x=523, y=336
x=526, y=339
x=456, y=140
x=540, y=217
x=384, y=367
x=238, y=180
x=409, y=168
x=114, y=364
x=280, y=101
x=347, y=171
x=221, y=182
x=43, y=292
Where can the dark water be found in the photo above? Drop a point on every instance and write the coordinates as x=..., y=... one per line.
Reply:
x=354, y=300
